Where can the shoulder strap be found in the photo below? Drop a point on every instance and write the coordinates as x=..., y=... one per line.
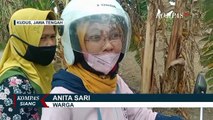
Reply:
x=118, y=89
x=99, y=113
x=11, y=72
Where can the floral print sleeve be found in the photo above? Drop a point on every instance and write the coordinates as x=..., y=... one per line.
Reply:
x=16, y=85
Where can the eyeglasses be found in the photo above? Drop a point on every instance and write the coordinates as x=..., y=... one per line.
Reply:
x=100, y=38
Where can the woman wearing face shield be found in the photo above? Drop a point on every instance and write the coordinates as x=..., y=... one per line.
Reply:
x=25, y=67
x=95, y=38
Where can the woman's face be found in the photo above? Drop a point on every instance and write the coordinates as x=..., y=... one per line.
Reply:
x=48, y=37
x=102, y=38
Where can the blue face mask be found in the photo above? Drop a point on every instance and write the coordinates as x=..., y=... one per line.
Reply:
x=39, y=55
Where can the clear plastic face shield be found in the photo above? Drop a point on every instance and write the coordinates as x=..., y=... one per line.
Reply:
x=101, y=39
x=100, y=34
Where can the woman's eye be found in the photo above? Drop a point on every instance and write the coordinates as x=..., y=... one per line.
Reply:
x=43, y=38
x=95, y=38
x=52, y=37
x=48, y=37
x=115, y=36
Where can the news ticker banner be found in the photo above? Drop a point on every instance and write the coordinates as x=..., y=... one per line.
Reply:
x=111, y=100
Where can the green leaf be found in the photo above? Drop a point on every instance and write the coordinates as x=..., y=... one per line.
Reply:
x=207, y=38
x=208, y=16
x=209, y=74
x=210, y=81
x=210, y=90
x=207, y=60
x=142, y=9
x=207, y=50
x=207, y=4
x=39, y=4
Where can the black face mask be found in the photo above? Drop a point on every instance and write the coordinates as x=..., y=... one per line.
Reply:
x=39, y=55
